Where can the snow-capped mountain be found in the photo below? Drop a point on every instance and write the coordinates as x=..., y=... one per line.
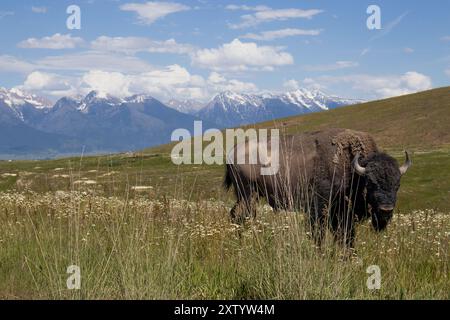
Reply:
x=229, y=109
x=19, y=103
x=98, y=122
x=185, y=106
x=94, y=123
x=17, y=97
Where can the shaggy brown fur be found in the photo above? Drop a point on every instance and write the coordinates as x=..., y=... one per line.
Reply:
x=316, y=175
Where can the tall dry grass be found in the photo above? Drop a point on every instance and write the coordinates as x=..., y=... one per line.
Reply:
x=141, y=248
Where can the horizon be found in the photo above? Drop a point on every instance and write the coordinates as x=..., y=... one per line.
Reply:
x=105, y=95
x=196, y=49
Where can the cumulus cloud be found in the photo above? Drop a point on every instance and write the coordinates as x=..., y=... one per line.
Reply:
x=132, y=45
x=338, y=65
x=114, y=83
x=164, y=83
x=282, y=33
x=217, y=83
x=291, y=84
x=39, y=9
x=149, y=12
x=312, y=84
x=49, y=84
x=176, y=82
x=240, y=56
x=309, y=83
x=269, y=14
x=382, y=86
x=39, y=80
x=56, y=41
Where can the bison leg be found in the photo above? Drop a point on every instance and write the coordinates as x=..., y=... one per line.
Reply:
x=343, y=225
x=245, y=206
x=243, y=209
x=317, y=218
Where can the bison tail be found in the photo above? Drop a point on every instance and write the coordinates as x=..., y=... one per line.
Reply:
x=228, y=179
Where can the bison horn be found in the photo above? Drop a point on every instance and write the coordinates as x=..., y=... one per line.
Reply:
x=406, y=165
x=360, y=170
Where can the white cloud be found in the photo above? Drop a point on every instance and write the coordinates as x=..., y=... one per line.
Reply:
x=309, y=83
x=77, y=62
x=389, y=27
x=268, y=14
x=49, y=84
x=282, y=33
x=382, y=86
x=365, y=51
x=149, y=12
x=291, y=84
x=312, y=84
x=171, y=82
x=338, y=65
x=56, y=41
x=12, y=64
x=176, y=82
x=38, y=80
x=5, y=14
x=445, y=38
x=132, y=45
x=408, y=50
x=114, y=83
x=91, y=60
x=447, y=72
x=247, y=8
x=39, y=9
x=240, y=56
x=217, y=83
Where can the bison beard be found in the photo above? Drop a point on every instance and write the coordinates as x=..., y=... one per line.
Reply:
x=337, y=177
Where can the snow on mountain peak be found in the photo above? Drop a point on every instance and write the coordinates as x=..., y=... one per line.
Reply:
x=230, y=108
x=15, y=98
x=185, y=106
x=306, y=98
x=95, y=97
x=139, y=98
x=230, y=97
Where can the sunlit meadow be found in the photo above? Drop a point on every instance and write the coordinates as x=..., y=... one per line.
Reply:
x=146, y=248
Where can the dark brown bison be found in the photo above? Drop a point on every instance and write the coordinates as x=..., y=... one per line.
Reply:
x=337, y=176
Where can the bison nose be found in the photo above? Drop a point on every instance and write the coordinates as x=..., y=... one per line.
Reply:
x=386, y=208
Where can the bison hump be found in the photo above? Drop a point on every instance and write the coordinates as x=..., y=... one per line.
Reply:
x=349, y=142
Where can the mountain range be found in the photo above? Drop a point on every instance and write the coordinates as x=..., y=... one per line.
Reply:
x=230, y=109
x=33, y=127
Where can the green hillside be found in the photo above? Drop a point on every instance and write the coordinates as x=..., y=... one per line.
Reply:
x=419, y=122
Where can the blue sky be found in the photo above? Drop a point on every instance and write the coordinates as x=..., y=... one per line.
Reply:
x=194, y=49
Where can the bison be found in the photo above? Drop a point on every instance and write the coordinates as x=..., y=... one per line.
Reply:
x=338, y=177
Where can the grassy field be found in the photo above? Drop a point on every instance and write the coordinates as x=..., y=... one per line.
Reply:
x=140, y=227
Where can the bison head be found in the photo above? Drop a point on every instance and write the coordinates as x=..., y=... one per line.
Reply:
x=382, y=174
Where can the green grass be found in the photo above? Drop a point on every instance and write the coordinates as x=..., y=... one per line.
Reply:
x=161, y=249
x=173, y=238
x=425, y=186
